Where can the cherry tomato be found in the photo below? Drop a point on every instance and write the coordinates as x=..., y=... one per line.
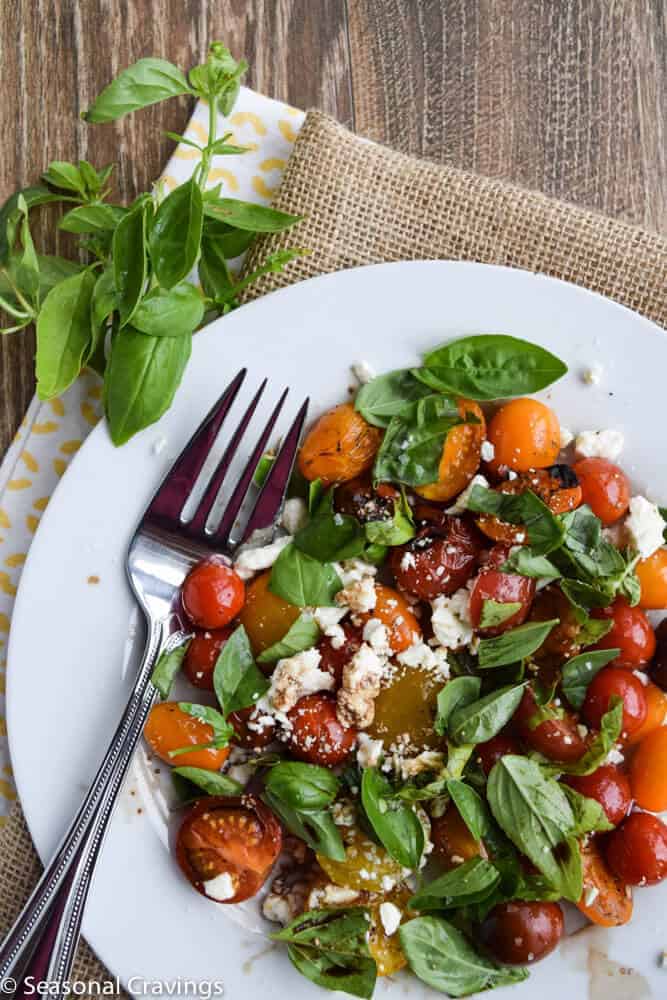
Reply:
x=490, y=752
x=652, y=573
x=405, y=709
x=386, y=948
x=360, y=499
x=212, y=594
x=610, y=899
x=238, y=837
x=202, y=656
x=656, y=713
x=637, y=851
x=503, y=588
x=525, y=435
x=562, y=642
x=333, y=658
x=453, y=842
x=518, y=933
x=250, y=732
x=648, y=771
x=657, y=668
x=558, y=738
x=460, y=455
x=366, y=864
x=339, y=446
x=392, y=609
x=265, y=616
x=316, y=735
x=610, y=682
x=605, y=488
x=609, y=786
x=557, y=486
x=169, y=728
x=631, y=632
x=439, y=560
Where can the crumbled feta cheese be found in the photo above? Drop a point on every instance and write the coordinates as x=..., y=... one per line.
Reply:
x=364, y=671
x=600, y=444
x=593, y=375
x=387, y=883
x=363, y=372
x=428, y=760
x=277, y=908
x=424, y=657
x=461, y=502
x=252, y=560
x=390, y=915
x=487, y=451
x=369, y=751
x=451, y=619
x=641, y=676
x=220, y=888
x=566, y=437
x=159, y=445
x=376, y=634
x=294, y=515
x=331, y=895
x=344, y=813
x=296, y=676
x=359, y=595
x=614, y=756
x=352, y=570
x=408, y=561
x=645, y=527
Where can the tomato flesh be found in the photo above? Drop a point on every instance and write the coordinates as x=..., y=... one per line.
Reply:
x=613, y=682
x=202, y=656
x=557, y=738
x=440, y=560
x=392, y=609
x=169, y=728
x=212, y=594
x=489, y=753
x=605, y=488
x=648, y=771
x=609, y=786
x=637, y=850
x=631, y=632
x=266, y=617
x=453, y=842
x=317, y=736
x=609, y=898
x=519, y=933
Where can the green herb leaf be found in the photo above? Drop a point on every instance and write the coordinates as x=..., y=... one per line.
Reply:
x=412, y=447
x=470, y=882
x=331, y=537
x=94, y=218
x=63, y=334
x=236, y=680
x=595, y=756
x=457, y=693
x=387, y=396
x=578, y=672
x=219, y=78
x=303, y=581
x=494, y=613
x=302, y=786
x=147, y=82
x=302, y=634
x=210, y=782
x=524, y=561
x=128, y=250
x=247, y=215
x=175, y=235
x=169, y=312
x=398, y=530
x=471, y=806
x=166, y=668
x=11, y=215
x=589, y=816
x=213, y=271
x=515, y=644
x=314, y=826
x=396, y=825
x=481, y=720
x=222, y=731
x=543, y=529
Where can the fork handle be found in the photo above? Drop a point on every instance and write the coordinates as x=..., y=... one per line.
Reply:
x=23, y=935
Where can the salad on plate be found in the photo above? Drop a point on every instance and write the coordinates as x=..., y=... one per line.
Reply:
x=426, y=718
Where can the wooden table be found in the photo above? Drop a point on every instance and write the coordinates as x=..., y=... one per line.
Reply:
x=568, y=96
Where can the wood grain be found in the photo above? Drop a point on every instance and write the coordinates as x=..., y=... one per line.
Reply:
x=568, y=97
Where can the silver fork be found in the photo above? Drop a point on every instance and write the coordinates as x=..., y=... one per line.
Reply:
x=42, y=942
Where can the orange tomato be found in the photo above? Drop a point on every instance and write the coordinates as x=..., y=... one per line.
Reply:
x=392, y=609
x=453, y=842
x=407, y=705
x=525, y=435
x=169, y=728
x=656, y=702
x=652, y=573
x=339, y=446
x=385, y=949
x=265, y=616
x=648, y=771
x=460, y=456
x=611, y=905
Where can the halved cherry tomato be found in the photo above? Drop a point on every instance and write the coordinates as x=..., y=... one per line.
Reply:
x=490, y=752
x=212, y=593
x=392, y=609
x=502, y=588
x=557, y=486
x=250, y=732
x=648, y=771
x=613, y=682
x=202, y=656
x=609, y=786
x=385, y=948
x=557, y=738
x=366, y=865
x=405, y=709
x=525, y=435
x=334, y=657
x=631, y=632
x=637, y=851
x=339, y=446
x=605, y=488
x=656, y=713
x=609, y=898
x=439, y=560
x=652, y=573
x=316, y=735
x=359, y=498
x=237, y=837
x=460, y=455
x=519, y=933
x=265, y=616
x=453, y=842
x=170, y=728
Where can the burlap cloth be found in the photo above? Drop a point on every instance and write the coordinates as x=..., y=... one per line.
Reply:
x=365, y=204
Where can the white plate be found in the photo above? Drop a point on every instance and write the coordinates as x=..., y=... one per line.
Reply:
x=73, y=645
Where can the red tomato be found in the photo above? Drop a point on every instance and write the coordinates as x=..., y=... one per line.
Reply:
x=212, y=594
x=333, y=657
x=440, y=560
x=631, y=633
x=648, y=771
x=489, y=753
x=504, y=588
x=557, y=739
x=316, y=735
x=609, y=786
x=622, y=683
x=605, y=488
x=202, y=656
x=519, y=933
x=637, y=851
x=237, y=836
x=250, y=733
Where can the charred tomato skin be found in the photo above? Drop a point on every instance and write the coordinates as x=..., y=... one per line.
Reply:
x=519, y=933
x=439, y=560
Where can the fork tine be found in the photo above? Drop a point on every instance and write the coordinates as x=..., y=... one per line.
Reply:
x=221, y=535
x=197, y=525
x=270, y=499
x=168, y=501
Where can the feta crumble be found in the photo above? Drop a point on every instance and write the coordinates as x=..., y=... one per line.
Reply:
x=369, y=751
x=451, y=621
x=645, y=527
x=278, y=909
x=390, y=915
x=487, y=451
x=220, y=888
x=376, y=634
x=352, y=570
x=566, y=437
x=359, y=595
x=252, y=560
x=363, y=372
x=599, y=444
x=296, y=676
x=424, y=657
x=461, y=502
x=592, y=375
x=294, y=515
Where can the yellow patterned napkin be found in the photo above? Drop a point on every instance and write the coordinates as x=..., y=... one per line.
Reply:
x=52, y=432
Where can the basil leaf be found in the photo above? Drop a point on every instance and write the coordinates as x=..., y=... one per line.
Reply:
x=397, y=530
x=63, y=334
x=176, y=234
x=585, y=595
x=96, y=218
x=471, y=807
x=457, y=693
x=411, y=449
x=543, y=529
x=229, y=242
x=53, y=269
x=536, y=815
x=213, y=271
x=218, y=78
x=210, y=782
x=483, y=719
x=516, y=644
x=303, y=581
x=302, y=786
x=496, y=612
x=169, y=312
x=142, y=376
x=444, y=959
x=236, y=680
x=222, y=731
x=316, y=495
x=595, y=756
x=330, y=947
x=386, y=396
x=589, y=816
x=246, y=215
x=578, y=672
x=302, y=634
x=591, y=630
x=330, y=537
x=493, y=366
x=525, y=562
x=10, y=214
x=128, y=250
x=146, y=82
x=470, y=882
x=314, y=826
x=65, y=175
x=396, y=825
x=166, y=668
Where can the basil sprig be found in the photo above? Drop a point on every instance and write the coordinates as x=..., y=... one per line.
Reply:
x=190, y=782
x=455, y=694
x=544, y=531
x=165, y=670
x=303, y=581
x=578, y=672
x=223, y=732
x=609, y=734
x=494, y=613
x=388, y=396
x=395, y=823
x=470, y=882
x=412, y=446
x=483, y=719
x=301, y=795
x=515, y=644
